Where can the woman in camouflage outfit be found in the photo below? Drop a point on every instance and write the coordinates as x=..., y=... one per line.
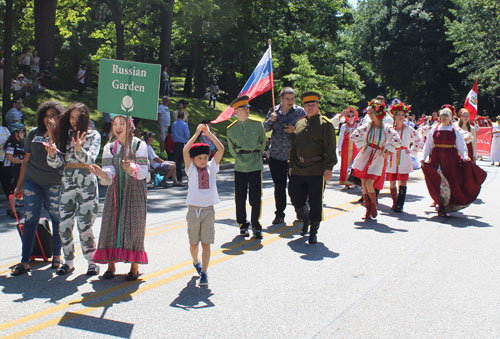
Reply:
x=79, y=148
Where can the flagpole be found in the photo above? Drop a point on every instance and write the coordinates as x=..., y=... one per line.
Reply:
x=272, y=83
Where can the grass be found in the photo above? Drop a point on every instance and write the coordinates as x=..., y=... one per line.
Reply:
x=197, y=110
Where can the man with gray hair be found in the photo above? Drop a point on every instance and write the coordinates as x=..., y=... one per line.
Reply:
x=281, y=120
x=163, y=121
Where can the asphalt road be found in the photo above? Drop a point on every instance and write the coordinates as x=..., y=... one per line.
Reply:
x=408, y=275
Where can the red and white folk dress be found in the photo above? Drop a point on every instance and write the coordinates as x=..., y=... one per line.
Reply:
x=399, y=164
x=347, y=149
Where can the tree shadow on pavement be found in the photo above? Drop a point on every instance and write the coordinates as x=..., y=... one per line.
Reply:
x=193, y=297
x=314, y=252
x=370, y=224
x=42, y=284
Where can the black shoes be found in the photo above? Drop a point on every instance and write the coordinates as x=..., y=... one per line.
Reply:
x=278, y=220
x=244, y=229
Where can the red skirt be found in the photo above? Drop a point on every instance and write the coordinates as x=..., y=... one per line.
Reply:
x=452, y=181
x=397, y=176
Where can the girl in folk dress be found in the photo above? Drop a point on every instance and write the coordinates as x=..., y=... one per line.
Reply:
x=469, y=132
x=124, y=168
x=347, y=148
x=452, y=179
x=78, y=198
x=399, y=162
x=374, y=139
x=495, y=143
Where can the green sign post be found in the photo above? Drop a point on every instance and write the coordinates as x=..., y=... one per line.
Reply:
x=129, y=88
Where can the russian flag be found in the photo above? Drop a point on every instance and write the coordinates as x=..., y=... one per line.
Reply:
x=261, y=81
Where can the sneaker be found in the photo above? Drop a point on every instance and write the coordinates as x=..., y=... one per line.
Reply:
x=93, y=269
x=203, y=279
x=198, y=267
x=257, y=234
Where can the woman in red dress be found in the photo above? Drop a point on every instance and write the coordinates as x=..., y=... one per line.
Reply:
x=347, y=148
x=452, y=179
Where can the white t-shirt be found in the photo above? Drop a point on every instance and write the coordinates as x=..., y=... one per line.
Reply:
x=152, y=155
x=163, y=115
x=202, y=197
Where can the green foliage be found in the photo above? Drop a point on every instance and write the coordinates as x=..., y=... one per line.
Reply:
x=474, y=31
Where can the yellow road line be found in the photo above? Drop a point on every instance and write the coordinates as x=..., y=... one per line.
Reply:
x=164, y=281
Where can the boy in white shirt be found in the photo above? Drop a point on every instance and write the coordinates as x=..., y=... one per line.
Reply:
x=202, y=196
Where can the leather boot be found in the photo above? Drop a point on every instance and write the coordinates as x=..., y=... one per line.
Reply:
x=313, y=233
x=303, y=214
x=401, y=199
x=368, y=206
x=373, y=200
x=394, y=195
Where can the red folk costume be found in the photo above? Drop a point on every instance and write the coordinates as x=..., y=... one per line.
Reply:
x=452, y=182
x=347, y=149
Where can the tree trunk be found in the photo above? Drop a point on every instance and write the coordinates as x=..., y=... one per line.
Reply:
x=45, y=25
x=166, y=19
x=7, y=66
x=198, y=58
x=114, y=6
x=188, y=82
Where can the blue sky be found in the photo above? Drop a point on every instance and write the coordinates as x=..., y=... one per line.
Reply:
x=353, y=3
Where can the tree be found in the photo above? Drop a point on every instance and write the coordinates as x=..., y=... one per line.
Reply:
x=166, y=18
x=45, y=21
x=116, y=14
x=474, y=31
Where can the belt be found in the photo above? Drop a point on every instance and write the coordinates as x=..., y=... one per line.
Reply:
x=444, y=146
x=77, y=165
x=309, y=159
x=375, y=147
x=248, y=152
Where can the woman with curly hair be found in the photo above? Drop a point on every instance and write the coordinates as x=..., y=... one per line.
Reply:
x=124, y=168
x=39, y=184
x=452, y=179
x=399, y=162
x=79, y=147
x=374, y=139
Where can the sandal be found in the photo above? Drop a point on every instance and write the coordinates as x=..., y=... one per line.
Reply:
x=56, y=263
x=108, y=275
x=131, y=276
x=19, y=269
x=64, y=269
x=93, y=270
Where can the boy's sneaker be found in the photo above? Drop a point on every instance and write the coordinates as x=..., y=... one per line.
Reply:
x=198, y=267
x=92, y=270
x=203, y=279
x=244, y=229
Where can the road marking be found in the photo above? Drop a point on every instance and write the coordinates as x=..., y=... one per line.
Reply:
x=150, y=286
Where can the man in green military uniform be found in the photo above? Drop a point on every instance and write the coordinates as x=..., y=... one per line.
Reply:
x=247, y=140
x=312, y=157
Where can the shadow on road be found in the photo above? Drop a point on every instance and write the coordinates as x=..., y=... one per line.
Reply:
x=193, y=297
x=240, y=244
x=373, y=225
x=459, y=220
x=42, y=284
x=97, y=325
x=314, y=252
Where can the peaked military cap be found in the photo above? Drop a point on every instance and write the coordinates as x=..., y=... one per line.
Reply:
x=240, y=102
x=310, y=96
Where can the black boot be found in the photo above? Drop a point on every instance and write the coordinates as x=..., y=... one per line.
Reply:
x=401, y=199
x=314, y=231
x=303, y=214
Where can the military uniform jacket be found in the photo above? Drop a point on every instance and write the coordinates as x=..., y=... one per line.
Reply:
x=247, y=141
x=313, y=146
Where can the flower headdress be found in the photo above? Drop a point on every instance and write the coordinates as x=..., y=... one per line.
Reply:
x=379, y=108
x=400, y=107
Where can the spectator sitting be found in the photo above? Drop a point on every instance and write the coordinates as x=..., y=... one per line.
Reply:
x=36, y=85
x=160, y=166
x=21, y=87
x=14, y=114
